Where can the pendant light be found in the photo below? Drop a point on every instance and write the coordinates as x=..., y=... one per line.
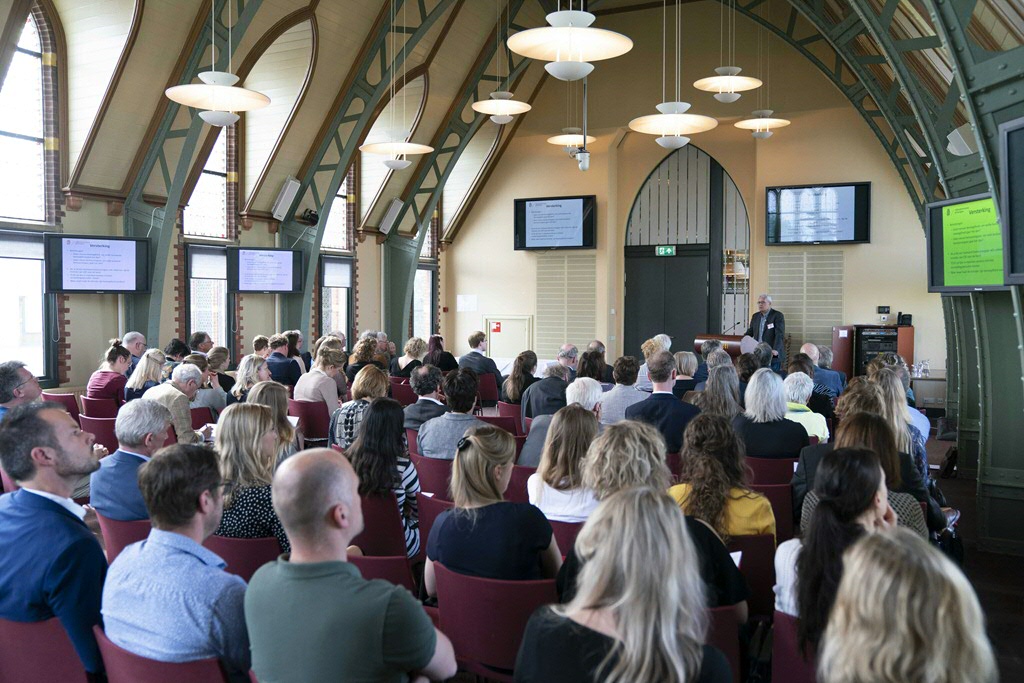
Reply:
x=217, y=95
x=398, y=146
x=728, y=84
x=761, y=122
x=501, y=107
x=673, y=125
x=572, y=138
x=569, y=44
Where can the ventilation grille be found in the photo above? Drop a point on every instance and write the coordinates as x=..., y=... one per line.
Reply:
x=566, y=301
x=808, y=288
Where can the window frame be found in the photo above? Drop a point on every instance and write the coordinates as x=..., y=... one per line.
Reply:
x=51, y=348
x=350, y=304
x=432, y=268
x=229, y=307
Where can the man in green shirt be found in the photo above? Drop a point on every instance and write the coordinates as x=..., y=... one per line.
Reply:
x=311, y=616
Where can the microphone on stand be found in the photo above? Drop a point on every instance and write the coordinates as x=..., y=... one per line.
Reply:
x=738, y=322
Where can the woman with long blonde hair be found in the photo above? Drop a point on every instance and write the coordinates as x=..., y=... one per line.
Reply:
x=557, y=485
x=246, y=445
x=904, y=613
x=639, y=611
x=895, y=411
x=252, y=370
x=147, y=374
x=484, y=535
x=275, y=397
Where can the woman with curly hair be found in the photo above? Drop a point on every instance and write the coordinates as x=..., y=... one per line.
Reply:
x=361, y=357
x=520, y=378
x=715, y=485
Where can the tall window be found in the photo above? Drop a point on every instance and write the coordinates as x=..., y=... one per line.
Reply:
x=338, y=234
x=22, y=303
x=206, y=214
x=21, y=132
x=208, y=307
x=424, y=288
x=336, y=297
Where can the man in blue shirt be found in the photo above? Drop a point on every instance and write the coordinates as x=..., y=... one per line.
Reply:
x=168, y=598
x=824, y=376
x=141, y=430
x=135, y=342
x=282, y=368
x=17, y=386
x=52, y=565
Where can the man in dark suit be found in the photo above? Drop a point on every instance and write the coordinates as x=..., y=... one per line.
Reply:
x=52, y=565
x=547, y=396
x=282, y=368
x=424, y=381
x=769, y=326
x=141, y=430
x=476, y=361
x=663, y=410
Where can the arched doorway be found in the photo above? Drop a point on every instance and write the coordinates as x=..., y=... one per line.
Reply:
x=687, y=253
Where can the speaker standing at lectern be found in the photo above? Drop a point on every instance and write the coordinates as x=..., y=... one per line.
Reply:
x=769, y=326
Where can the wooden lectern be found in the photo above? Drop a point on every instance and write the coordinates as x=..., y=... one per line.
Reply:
x=730, y=343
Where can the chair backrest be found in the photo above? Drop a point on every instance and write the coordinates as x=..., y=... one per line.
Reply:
x=102, y=428
x=486, y=618
x=410, y=436
x=172, y=436
x=99, y=407
x=125, y=667
x=724, y=633
x=515, y=412
x=757, y=565
x=516, y=491
x=202, y=416
x=403, y=393
x=383, y=534
x=527, y=421
x=244, y=555
x=565, y=534
x=781, y=498
x=506, y=423
x=788, y=662
x=772, y=470
x=430, y=507
x=813, y=439
x=314, y=418
x=392, y=569
x=119, y=535
x=9, y=484
x=675, y=463
x=38, y=651
x=67, y=400
x=488, y=389
x=435, y=475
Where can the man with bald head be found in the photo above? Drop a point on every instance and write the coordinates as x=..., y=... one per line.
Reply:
x=826, y=379
x=377, y=631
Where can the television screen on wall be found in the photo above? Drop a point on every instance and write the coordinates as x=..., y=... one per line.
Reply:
x=965, y=245
x=91, y=264
x=818, y=214
x=556, y=223
x=264, y=270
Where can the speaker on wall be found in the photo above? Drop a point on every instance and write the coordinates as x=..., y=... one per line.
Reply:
x=387, y=224
x=285, y=198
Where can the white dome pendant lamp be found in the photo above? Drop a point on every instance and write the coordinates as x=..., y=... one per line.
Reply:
x=500, y=106
x=761, y=123
x=727, y=84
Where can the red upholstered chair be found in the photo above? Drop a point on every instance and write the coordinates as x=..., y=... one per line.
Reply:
x=314, y=419
x=102, y=428
x=124, y=667
x=757, y=564
x=781, y=498
x=119, y=535
x=724, y=633
x=38, y=651
x=393, y=569
x=383, y=534
x=172, y=436
x=410, y=436
x=772, y=470
x=9, y=484
x=403, y=393
x=813, y=440
x=434, y=474
x=514, y=411
x=565, y=534
x=488, y=390
x=675, y=464
x=485, y=618
x=516, y=491
x=506, y=423
x=99, y=407
x=67, y=400
x=526, y=424
x=520, y=442
x=788, y=662
x=430, y=507
x=202, y=417
x=244, y=555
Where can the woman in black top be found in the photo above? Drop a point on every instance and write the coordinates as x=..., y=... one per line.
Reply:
x=639, y=612
x=361, y=357
x=438, y=357
x=763, y=425
x=520, y=378
x=402, y=366
x=686, y=366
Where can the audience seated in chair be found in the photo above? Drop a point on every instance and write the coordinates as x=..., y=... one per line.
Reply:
x=569, y=358
x=521, y=377
x=168, y=598
x=261, y=346
x=476, y=361
x=763, y=426
x=556, y=488
x=822, y=400
x=275, y=396
x=336, y=341
x=438, y=357
x=483, y=535
x=246, y=447
x=546, y=396
x=663, y=410
x=52, y=565
x=402, y=366
x=174, y=352
x=370, y=382
x=716, y=359
x=252, y=370
x=381, y=460
x=721, y=395
x=200, y=342
x=896, y=569
x=17, y=386
x=686, y=366
x=439, y=436
x=798, y=388
x=594, y=364
x=586, y=392
x=147, y=374
x=175, y=396
x=293, y=606
x=909, y=438
x=282, y=368
x=638, y=614
x=835, y=378
x=624, y=393
x=362, y=356
x=706, y=349
x=219, y=359
x=895, y=362
x=319, y=383
x=135, y=342
x=109, y=380
x=746, y=365
x=141, y=429
x=211, y=394
x=425, y=381
x=656, y=344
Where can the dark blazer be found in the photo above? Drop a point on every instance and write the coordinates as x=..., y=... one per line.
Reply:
x=776, y=439
x=682, y=386
x=353, y=369
x=668, y=414
x=421, y=411
x=114, y=488
x=774, y=330
x=701, y=374
x=545, y=397
x=52, y=567
x=479, y=363
x=444, y=361
x=831, y=379
x=283, y=369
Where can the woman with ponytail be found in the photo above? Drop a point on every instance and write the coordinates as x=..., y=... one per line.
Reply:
x=109, y=379
x=520, y=378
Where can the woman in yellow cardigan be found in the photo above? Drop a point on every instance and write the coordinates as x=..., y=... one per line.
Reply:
x=715, y=488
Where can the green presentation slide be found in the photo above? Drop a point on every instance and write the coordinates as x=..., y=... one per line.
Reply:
x=972, y=245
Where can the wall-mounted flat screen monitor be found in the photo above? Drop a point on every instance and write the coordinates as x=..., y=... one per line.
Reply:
x=818, y=214
x=92, y=264
x=1011, y=194
x=965, y=245
x=556, y=223
x=264, y=270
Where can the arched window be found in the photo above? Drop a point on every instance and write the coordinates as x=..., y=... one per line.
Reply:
x=467, y=171
x=396, y=122
x=22, y=136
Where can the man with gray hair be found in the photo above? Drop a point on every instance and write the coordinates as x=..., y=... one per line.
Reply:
x=568, y=357
x=824, y=374
x=175, y=395
x=798, y=388
x=597, y=346
x=768, y=325
x=708, y=347
x=141, y=430
x=425, y=381
x=17, y=386
x=547, y=396
x=661, y=342
x=135, y=342
x=716, y=358
x=585, y=391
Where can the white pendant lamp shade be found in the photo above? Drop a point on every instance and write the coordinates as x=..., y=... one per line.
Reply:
x=220, y=119
x=569, y=71
x=217, y=92
x=395, y=148
x=569, y=44
x=672, y=122
x=728, y=84
x=397, y=164
x=571, y=137
x=501, y=107
x=762, y=123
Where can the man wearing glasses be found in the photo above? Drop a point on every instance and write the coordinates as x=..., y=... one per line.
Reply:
x=17, y=386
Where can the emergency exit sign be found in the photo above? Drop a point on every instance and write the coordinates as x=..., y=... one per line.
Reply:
x=665, y=251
